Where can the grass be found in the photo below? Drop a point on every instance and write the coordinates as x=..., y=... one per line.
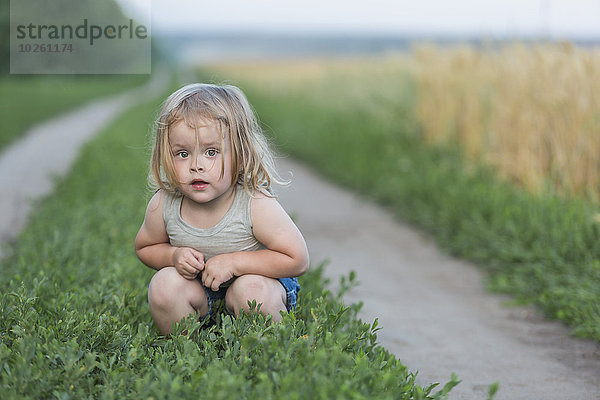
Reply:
x=28, y=100
x=358, y=124
x=76, y=324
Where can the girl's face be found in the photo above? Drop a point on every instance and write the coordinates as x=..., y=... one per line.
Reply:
x=202, y=161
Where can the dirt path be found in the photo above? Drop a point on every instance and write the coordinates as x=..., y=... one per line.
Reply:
x=436, y=316
x=28, y=167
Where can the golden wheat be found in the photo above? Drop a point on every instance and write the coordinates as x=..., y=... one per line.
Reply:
x=532, y=112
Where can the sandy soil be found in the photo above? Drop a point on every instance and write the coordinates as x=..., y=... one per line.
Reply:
x=436, y=315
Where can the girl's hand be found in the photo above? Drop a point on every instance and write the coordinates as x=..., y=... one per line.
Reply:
x=218, y=270
x=188, y=262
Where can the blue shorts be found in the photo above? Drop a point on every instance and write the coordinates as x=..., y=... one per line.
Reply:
x=291, y=286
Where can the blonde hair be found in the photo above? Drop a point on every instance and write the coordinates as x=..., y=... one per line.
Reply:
x=253, y=163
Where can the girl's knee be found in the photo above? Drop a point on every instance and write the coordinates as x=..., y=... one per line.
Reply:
x=257, y=283
x=266, y=291
x=173, y=297
x=249, y=286
x=164, y=284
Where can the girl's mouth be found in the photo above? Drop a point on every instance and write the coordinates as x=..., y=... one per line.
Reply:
x=199, y=184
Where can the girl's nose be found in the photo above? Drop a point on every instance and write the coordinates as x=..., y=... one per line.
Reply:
x=196, y=164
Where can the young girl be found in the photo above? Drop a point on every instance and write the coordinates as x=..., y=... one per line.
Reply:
x=213, y=229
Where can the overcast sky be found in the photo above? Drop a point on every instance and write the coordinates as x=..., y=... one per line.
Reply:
x=557, y=18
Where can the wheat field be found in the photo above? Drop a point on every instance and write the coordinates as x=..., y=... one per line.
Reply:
x=532, y=112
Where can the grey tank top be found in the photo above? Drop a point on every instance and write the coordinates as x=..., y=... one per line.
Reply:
x=233, y=233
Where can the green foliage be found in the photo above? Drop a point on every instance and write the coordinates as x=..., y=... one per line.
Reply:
x=544, y=250
x=492, y=390
x=76, y=324
x=27, y=100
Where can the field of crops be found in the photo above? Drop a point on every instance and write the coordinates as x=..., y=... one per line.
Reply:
x=531, y=113
x=493, y=152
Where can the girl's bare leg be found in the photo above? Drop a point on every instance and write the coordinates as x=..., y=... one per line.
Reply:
x=172, y=298
x=266, y=291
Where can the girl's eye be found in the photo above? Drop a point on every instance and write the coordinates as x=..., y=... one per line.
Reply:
x=183, y=154
x=211, y=152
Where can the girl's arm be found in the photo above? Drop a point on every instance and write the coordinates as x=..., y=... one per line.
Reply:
x=285, y=255
x=153, y=248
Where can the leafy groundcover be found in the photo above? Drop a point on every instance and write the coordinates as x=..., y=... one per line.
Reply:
x=75, y=321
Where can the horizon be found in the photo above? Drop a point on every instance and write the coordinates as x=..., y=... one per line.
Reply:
x=552, y=19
